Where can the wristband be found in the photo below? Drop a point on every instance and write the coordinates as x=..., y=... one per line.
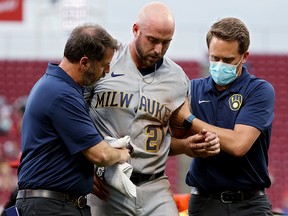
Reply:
x=187, y=123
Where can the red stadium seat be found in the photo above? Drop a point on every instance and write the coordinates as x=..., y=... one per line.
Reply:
x=273, y=69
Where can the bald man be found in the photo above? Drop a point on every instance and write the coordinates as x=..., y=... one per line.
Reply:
x=137, y=99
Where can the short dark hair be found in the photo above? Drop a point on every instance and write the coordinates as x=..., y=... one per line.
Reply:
x=230, y=29
x=90, y=40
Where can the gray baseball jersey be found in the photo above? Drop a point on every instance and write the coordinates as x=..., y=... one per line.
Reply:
x=126, y=103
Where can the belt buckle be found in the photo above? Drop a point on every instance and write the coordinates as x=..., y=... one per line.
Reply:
x=229, y=193
x=81, y=201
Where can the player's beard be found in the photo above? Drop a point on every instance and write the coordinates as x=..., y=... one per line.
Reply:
x=148, y=60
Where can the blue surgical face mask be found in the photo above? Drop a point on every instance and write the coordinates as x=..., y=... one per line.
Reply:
x=222, y=73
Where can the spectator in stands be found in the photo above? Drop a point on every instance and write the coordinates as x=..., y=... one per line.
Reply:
x=12, y=199
x=19, y=107
x=5, y=116
x=59, y=141
x=240, y=108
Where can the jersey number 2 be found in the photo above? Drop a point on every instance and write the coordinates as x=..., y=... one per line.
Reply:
x=155, y=137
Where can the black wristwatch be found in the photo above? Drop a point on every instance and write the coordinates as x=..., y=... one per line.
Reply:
x=187, y=123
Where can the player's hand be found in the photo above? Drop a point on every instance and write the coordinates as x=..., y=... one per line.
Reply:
x=100, y=189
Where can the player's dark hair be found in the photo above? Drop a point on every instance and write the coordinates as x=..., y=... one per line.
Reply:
x=88, y=40
x=230, y=29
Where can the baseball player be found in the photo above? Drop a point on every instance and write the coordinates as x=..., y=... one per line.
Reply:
x=137, y=99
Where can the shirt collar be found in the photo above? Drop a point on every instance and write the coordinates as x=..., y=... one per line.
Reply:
x=56, y=71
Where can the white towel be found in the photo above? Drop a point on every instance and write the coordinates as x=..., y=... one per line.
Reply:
x=118, y=175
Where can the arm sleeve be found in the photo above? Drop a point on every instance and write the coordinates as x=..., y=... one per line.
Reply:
x=74, y=125
x=258, y=110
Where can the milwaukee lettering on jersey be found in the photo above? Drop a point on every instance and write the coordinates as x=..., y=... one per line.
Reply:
x=123, y=100
x=154, y=108
x=113, y=99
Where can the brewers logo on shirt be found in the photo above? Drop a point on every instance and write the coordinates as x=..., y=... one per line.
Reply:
x=235, y=102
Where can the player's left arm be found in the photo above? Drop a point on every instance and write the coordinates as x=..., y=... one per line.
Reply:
x=201, y=144
x=177, y=119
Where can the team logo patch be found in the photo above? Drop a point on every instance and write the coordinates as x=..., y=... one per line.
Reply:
x=235, y=102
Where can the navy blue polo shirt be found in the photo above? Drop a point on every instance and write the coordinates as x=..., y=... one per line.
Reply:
x=249, y=101
x=56, y=128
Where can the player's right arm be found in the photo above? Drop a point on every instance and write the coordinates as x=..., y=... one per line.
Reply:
x=100, y=189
